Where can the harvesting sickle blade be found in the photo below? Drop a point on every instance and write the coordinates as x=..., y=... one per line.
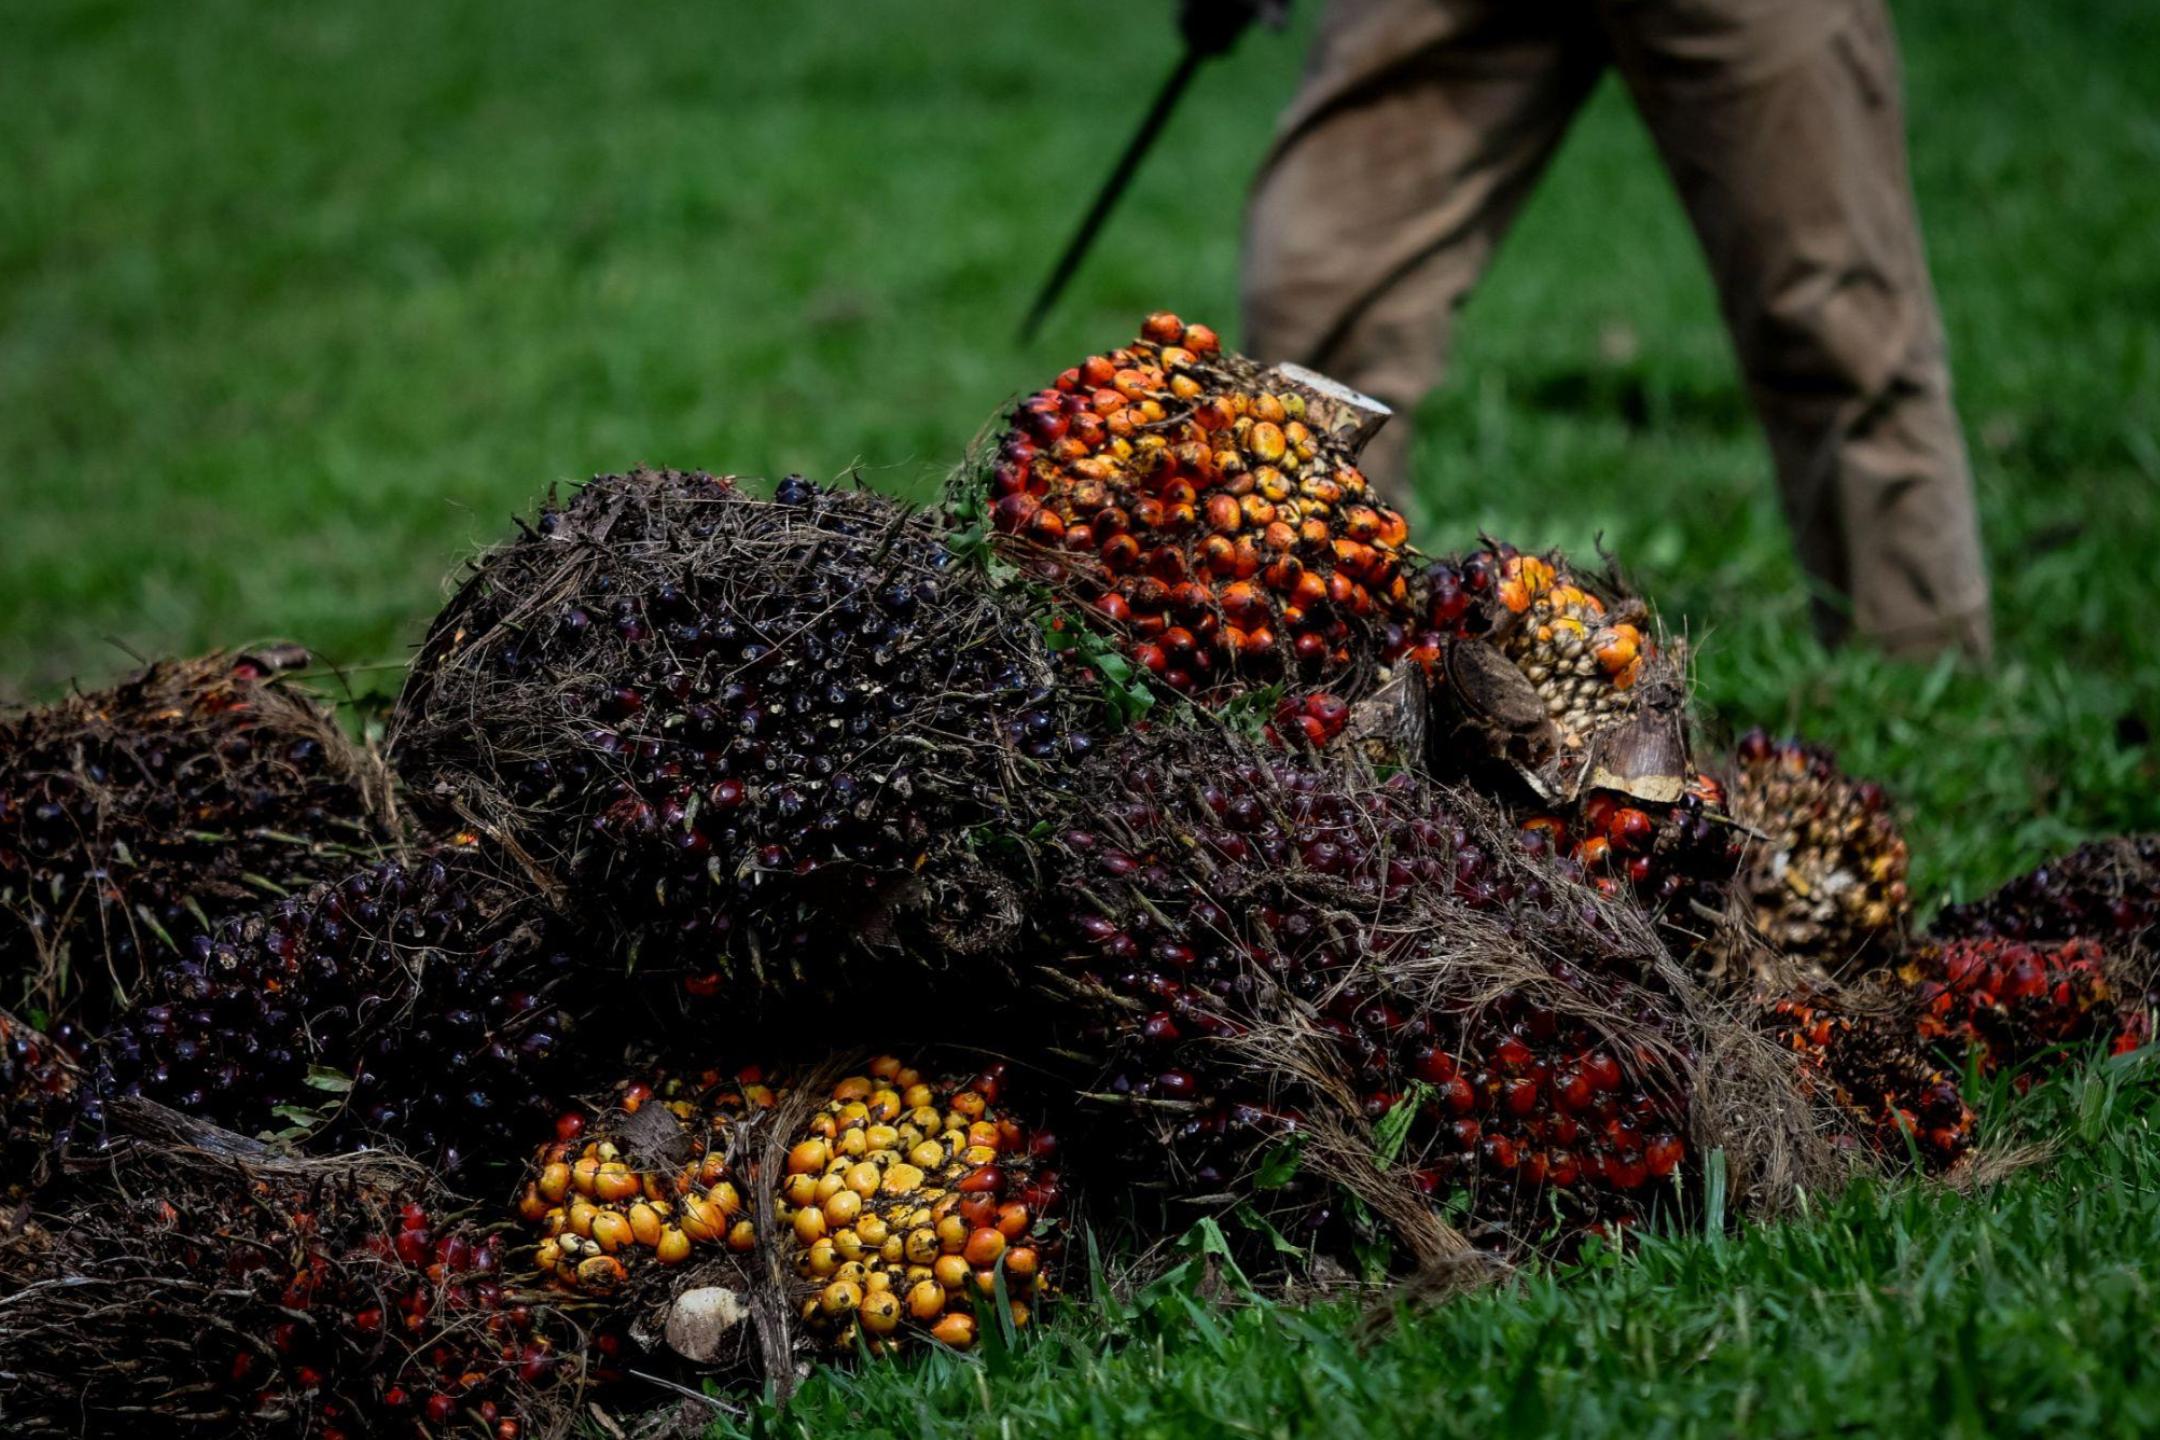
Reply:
x=1136, y=149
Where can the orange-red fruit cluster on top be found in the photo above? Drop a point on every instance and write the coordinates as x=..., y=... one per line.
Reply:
x=1213, y=522
x=2006, y=1003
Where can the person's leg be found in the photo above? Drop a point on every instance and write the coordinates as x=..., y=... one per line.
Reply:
x=1783, y=129
x=1416, y=136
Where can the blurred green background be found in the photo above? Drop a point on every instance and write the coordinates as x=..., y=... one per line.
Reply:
x=299, y=304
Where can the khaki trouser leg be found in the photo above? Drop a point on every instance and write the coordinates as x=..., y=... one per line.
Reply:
x=1782, y=127
x=1418, y=132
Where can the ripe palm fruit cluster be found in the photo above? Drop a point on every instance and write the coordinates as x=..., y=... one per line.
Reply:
x=916, y=1206
x=1825, y=875
x=904, y=1202
x=1205, y=510
x=411, y=999
x=1581, y=657
x=133, y=819
x=40, y=1084
x=608, y=1204
x=2108, y=890
x=223, y=1290
x=1559, y=679
x=1218, y=922
x=2005, y=1004
x=750, y=720
x=1867, y=1065
x=1557, y=674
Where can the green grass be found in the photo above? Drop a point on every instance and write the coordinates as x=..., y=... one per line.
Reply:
x=1897, y=1310
x=299, y=304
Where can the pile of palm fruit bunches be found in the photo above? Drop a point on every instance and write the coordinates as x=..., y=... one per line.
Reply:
x=773, y=917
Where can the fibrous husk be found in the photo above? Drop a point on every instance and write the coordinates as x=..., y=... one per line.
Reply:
x=202, y=1284
x=732, y=728
x=1272, y=957
x=40, y=1090
x=133, y=819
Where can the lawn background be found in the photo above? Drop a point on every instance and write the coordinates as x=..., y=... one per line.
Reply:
x=298, y=304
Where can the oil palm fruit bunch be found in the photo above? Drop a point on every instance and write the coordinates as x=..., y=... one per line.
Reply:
x=905, y=1201
x=414, y=999
x=2108, y=890
x=222, y=1289
x=1824, y=882
x=135, y=818
x=746, y=721
x=1206, y=511
x=611, y=1200
x=40, y=1088
x=1265, y=948
x=1555, y=695
x=917, y=1205
x=1554, y=672
x=2006, y=1004
x=1867, y=1065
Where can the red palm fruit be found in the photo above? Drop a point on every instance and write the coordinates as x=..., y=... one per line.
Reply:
x=1678, y=859
x=1872, y=1069
x=1491, y=1083
x=134, y=819
x=1211, y=467
x=260, y=1293
x=2005, y=1004
x=1825, y=870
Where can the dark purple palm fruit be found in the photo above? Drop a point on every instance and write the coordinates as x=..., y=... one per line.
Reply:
x=417, y=1000
x=40, y=1085
x=134, y=819
x=732, y=728
x=2108, y=891
x=1270, y=950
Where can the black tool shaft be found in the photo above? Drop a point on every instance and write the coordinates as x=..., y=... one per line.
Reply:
x=1106, y=199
